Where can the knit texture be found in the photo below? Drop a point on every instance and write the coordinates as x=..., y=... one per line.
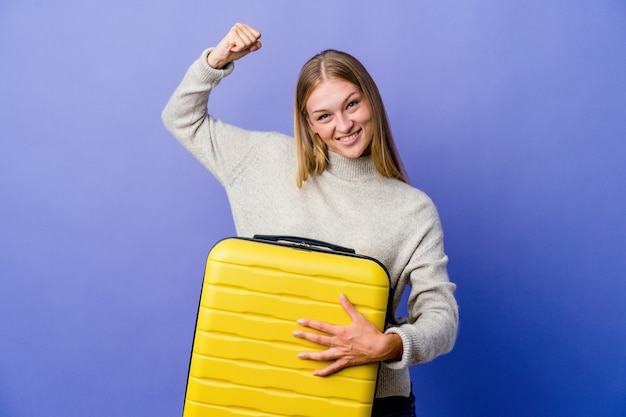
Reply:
x=349, y=204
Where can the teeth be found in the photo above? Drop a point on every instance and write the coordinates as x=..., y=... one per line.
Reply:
x=348, y=138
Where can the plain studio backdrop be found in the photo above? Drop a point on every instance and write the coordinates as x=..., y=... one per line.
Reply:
x=511, y=115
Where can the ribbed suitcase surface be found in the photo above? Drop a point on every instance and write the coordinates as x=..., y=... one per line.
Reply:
x=244, y=358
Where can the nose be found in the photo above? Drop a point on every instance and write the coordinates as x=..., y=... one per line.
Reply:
x=344, y=123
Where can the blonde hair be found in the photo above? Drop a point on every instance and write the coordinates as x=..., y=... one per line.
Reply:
x=311, y=149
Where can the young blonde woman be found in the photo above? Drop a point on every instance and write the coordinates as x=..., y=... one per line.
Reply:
x=339, y=180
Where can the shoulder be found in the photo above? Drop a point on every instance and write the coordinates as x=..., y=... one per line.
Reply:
x=272, y=142
x=409, y=193
x=415, y=205
x=263, y=148
x=276, y=148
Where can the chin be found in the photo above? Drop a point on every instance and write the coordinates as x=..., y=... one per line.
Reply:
x=354, y=154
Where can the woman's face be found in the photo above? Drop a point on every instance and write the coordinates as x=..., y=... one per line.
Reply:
x=338, y=112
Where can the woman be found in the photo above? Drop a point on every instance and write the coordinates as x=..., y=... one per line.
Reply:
x=339, y=181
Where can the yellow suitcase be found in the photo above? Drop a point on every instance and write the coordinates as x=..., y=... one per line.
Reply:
x=244, y=358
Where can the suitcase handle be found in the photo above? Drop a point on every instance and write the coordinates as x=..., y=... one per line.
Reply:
x=305, y=242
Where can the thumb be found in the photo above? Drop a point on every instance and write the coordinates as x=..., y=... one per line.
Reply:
x=349, y=307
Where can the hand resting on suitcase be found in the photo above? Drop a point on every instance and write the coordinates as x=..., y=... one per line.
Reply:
x=356, y=344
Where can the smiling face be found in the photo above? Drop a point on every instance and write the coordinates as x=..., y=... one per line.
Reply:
x=338, y=112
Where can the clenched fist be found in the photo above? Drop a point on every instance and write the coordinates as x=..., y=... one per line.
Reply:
x=240, y=40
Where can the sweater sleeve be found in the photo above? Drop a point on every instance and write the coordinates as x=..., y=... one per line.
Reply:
x=431, y=327
x=220, y=147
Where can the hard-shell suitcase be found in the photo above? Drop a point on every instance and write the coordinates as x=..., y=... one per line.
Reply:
x=244, y=357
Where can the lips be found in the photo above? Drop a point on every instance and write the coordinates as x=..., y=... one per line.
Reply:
x=349, y=139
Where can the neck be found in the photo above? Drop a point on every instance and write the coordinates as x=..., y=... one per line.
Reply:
x=351, y=168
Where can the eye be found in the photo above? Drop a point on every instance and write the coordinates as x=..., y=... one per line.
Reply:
x=323, y=117
x=352, y=104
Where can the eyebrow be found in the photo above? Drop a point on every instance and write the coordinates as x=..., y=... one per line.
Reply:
x=345, y=101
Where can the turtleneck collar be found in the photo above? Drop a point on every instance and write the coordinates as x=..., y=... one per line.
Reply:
x=351, y=168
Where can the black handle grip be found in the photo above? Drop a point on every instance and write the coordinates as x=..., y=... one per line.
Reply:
x=304, y=242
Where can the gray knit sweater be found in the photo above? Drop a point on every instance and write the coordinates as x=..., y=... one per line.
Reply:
x=350, y=204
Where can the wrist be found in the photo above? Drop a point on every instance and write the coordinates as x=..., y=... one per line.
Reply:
x=397, y=348
x=214, y=62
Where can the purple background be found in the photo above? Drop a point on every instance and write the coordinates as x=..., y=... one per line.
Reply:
x=510, y=114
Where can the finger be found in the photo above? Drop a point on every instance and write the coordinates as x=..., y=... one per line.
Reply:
x=349, y=308
x=243, y=27
x=314, y=337
x=323, y=356
x=333, y=354
x=252, y=35
x=330, y=369
x=255, y=47
x=318, y=325
x=244, y=37
x=241, y=46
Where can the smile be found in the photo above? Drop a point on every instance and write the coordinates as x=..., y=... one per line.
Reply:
x=349, y=139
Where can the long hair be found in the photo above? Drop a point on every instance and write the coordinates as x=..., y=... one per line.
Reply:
x=312, y=153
